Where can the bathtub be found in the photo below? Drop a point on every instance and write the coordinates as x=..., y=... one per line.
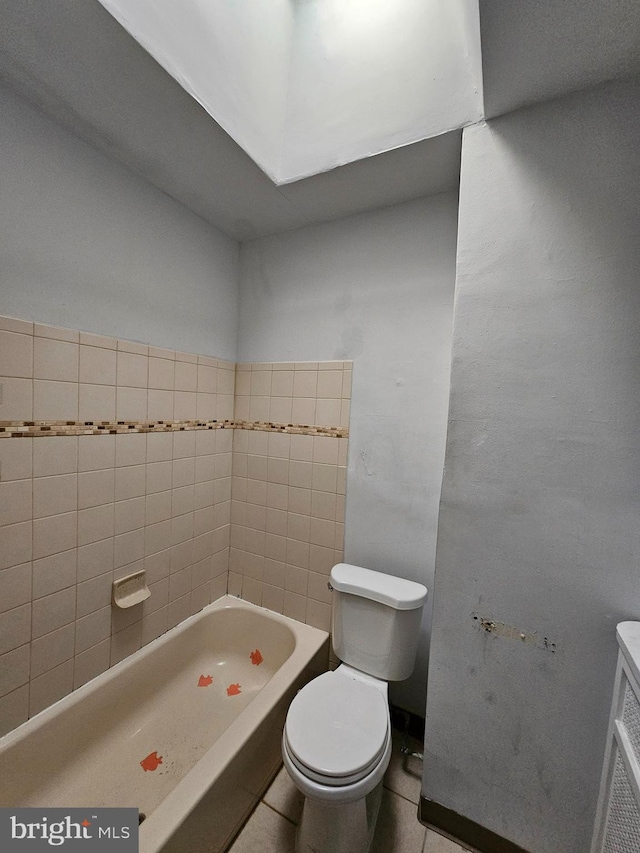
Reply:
x=187, y=730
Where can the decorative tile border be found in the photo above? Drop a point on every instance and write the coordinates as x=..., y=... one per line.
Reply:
x=39, y=429
x=293, y=429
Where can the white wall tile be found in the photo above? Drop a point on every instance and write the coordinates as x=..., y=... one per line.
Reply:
x=54, y=573
x=131, y=449
x=186, y=376
x=52, y=649
x=54, y=533
x=15, y=544
x=131, y=404
x=55, y=359
x=16, y=399
x=14, y=709
x=97, y=365
x=53, y=611
x=102, y=341
x=16, y=461
x=305, y=383
x=51, y=686
x=53, y=495
x=160, y=446
x=94, y=452
x=15, y=586
x=14, y=669
x=95, y=523
x=57, y=401
x=96, y=403
x=93, y=594
x=55, y=455
x=16, y=354
x=129, y=515
x=161, y=374
x=11, y=324
x=92, y=662
x=329, y=384
x=15, y=501
x=15, y=628
x=185, y=405
x=56, y=333
x=160, y=405
x=96, y=487
x=130, y=482
x=132, y=370
x=95, y=559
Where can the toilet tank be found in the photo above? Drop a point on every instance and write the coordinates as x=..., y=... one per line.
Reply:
x=375, y=621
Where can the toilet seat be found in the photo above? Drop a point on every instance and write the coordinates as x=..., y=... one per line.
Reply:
x=337, y=729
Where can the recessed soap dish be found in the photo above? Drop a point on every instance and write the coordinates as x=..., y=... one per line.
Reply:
x=130, y=590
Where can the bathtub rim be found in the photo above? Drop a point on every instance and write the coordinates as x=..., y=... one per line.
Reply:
x=160, y=825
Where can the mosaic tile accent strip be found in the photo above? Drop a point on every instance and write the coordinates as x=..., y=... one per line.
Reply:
x=39, y=429
x=293, y=429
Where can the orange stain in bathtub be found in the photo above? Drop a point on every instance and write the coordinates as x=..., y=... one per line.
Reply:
x=151, y=762
x=233, y=690
x=256, y=657
x=205, y=681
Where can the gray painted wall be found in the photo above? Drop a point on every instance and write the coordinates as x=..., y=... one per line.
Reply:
x=88, y=245
x=542, y=49
x=376, y=288
x=538, y=522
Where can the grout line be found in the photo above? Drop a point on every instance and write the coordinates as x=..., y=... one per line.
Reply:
x=397, y=794
x=265, y=803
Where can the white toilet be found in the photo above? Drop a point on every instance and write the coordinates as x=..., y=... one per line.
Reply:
x=337, y=736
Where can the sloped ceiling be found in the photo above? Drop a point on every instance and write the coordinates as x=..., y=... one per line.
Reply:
x=304, y=87
x=76, y=63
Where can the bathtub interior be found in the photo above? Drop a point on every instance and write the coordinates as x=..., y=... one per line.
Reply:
x=130, y=740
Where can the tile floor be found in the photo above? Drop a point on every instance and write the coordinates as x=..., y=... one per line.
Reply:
x=272, y=826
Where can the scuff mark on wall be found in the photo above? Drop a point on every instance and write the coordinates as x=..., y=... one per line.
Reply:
x=363, y=457
x=500, y=629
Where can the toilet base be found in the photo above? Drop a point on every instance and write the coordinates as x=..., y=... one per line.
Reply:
x=338, y=828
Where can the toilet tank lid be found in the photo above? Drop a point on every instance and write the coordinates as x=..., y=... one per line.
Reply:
x=395, y=592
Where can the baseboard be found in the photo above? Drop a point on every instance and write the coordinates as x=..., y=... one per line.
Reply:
x=406, y=721
x=464, y=831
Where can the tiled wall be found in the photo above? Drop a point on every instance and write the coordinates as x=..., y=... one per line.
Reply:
x=59, y=374
x=78, y=511
x=312, y=393
x=288, y=488
x=117, y=456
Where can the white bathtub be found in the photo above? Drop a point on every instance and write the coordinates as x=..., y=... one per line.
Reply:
x=219, y=743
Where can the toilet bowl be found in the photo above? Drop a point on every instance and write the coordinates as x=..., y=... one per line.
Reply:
x=336, y=743
x=337, y=737
x=336, y=748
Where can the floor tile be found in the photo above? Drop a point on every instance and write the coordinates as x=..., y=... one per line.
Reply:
x=284, y=797
x=267, y=832
x=436, y=843
x=404, y=774
x=271, y=827
x=398, y=829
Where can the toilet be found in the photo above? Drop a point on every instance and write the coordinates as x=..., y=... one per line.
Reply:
x=336, y=743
